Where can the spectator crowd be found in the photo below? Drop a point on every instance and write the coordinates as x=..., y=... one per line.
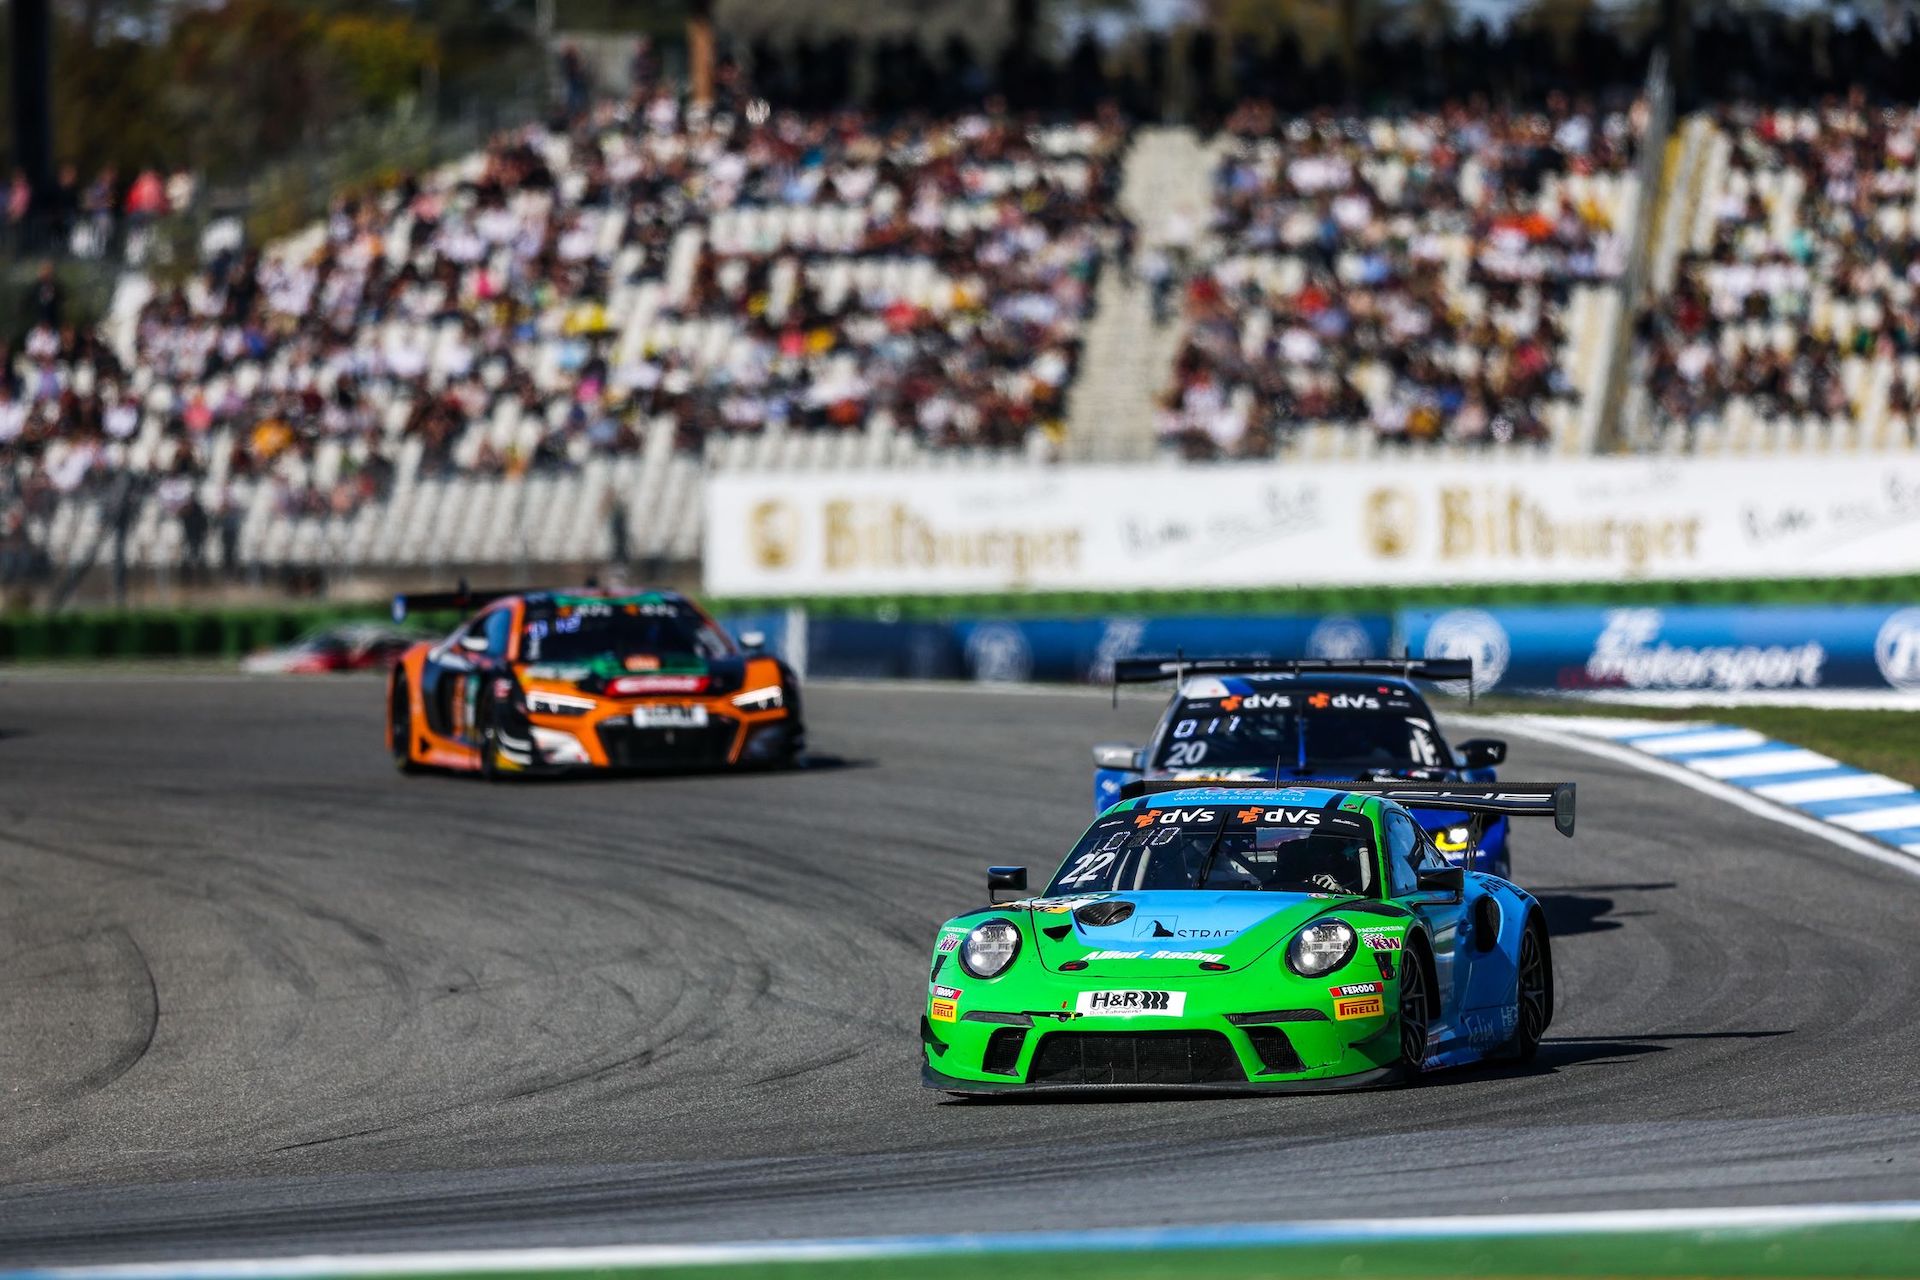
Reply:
x=1407, y=275
x=1799, y=297
x=740, y=269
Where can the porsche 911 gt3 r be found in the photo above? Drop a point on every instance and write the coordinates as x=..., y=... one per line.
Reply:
x=1273, y=719
x=549, y=681
x=1254, y=937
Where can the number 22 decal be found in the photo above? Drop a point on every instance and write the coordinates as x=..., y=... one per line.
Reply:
x=1089, y=866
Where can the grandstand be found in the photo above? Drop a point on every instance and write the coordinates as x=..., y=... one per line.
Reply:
x=535, y=354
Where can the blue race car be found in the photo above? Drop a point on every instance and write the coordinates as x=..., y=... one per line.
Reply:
x=1251, y=719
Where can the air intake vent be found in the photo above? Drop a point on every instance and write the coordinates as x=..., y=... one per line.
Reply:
x=1142, y=1058
x=1275, y=1050
x=1098, y=915
x=1003, y=1051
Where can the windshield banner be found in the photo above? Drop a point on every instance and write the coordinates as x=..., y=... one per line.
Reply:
x=1712, y=649
x=1392, y=520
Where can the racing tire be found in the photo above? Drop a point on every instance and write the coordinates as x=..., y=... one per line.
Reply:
x=1416, y=1012
x=1533, y=995
x=400, y=725
x=489, y=741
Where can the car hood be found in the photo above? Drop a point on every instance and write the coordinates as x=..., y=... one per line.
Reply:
x=669, y=676
x=1170, y=933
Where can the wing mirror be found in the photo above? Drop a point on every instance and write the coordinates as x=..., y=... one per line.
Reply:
x=1451, y=880
x=753, y=641
x=1482, y=753
x=474, y=644
x=1117, y=755
x=1004, y=884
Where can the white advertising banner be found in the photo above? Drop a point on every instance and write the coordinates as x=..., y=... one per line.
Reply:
x=1394, y=521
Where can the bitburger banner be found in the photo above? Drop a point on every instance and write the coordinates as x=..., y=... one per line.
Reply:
x=1394, y=521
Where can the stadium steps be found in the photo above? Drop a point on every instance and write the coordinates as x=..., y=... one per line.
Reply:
x=1128, y=360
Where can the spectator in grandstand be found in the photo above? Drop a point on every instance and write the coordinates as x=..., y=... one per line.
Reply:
x=1331, y=295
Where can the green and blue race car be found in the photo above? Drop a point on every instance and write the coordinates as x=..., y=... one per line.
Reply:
x=1247, y=937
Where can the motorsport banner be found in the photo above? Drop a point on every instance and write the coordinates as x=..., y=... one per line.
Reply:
x=1693, y=647
x=1405, y=520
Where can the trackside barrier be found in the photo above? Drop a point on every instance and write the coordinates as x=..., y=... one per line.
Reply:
x=1719, y=650
x=1710, y=648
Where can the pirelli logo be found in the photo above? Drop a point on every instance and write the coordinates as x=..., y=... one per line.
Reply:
x=1348, y=1008
x=944, y=1011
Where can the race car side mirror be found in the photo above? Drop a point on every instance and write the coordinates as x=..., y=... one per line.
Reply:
x=1451, y=880
x=1008, y=881
x=753, y=641
x=1482, y=753
x=1116, y=755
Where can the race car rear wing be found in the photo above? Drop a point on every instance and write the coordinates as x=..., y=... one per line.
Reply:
x=1507, y=799
x=463, y=599
x=1147, y=670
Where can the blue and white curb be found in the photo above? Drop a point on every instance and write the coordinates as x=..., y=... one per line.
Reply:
x=1867, y=804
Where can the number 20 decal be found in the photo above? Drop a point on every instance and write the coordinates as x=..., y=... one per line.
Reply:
x=1181, y=754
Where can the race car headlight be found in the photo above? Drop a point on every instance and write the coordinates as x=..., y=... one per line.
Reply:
x=1454, y=839
x=546, y=703
x=557, y=747
x=763, y=699
x=1320, y=948
x=990, y=948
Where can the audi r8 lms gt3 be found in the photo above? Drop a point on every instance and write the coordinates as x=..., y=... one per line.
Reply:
x=546, y=681
x=1247, y=937
x=1276, y=719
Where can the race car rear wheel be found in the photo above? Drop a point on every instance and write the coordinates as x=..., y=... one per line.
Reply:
x=1416, y=1012
x=1535, y=991
x=400, y=725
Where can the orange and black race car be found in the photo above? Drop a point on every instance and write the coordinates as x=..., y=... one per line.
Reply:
x=550, y=681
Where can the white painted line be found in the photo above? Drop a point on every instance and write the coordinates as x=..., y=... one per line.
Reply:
x=1118, y=1239
x=1622, y=727
x=1911, y=848
x=1530, y=726
x=1842, y=786
x=1905, y=815
x=1760, y=763
x=1681, y=744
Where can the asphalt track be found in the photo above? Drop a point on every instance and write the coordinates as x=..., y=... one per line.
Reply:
x=259, y=994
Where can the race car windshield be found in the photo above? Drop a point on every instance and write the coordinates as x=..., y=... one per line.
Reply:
x=1207, y=735
x=576, y=633
x=1275, y=850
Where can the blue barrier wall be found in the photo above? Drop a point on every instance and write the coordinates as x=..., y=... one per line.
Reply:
x=1071, y=649
x=1709, y=648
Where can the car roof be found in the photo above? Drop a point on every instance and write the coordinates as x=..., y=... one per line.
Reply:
x=1226, y=793
x=1294, y=680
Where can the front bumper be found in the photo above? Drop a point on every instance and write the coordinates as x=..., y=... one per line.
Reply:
x=1231, y=1035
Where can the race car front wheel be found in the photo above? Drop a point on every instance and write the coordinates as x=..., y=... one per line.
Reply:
x=1535, y=991
x=400, y=725
x=1416, y=1012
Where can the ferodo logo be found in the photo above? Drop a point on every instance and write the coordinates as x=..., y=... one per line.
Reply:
x=1280, y=817
x=1172, y=817
x=1356, y=989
